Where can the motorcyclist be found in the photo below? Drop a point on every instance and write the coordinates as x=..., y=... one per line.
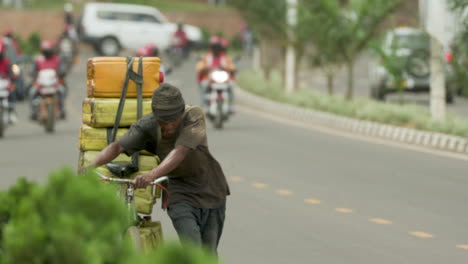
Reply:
x=14, y=54
x=7, y=70
x=180, y=39
x=67, y=46
x=215, y=58
x=12, y=47
x=151, y=50
x=48, y=60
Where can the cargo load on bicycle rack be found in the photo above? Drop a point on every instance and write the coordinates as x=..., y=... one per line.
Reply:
x=106, y=75
x=128, y=84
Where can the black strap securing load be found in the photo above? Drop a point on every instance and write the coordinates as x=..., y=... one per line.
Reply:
x=138, y=79
x=136, y=155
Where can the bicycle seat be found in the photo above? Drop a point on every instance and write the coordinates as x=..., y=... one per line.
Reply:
x=121, y=169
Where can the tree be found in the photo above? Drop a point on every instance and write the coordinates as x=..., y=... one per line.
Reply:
x=325, y=30
x=346, y=28
x=267, y=19
x=459, y=48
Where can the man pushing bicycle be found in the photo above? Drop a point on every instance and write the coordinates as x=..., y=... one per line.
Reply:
x=198, y=188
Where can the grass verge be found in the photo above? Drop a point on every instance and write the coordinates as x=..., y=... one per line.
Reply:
x=408, y=115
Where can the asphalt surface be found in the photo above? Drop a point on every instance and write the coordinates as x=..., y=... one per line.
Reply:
x=298, y=195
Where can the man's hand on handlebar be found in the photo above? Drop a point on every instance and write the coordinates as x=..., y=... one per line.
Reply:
x=143, y=180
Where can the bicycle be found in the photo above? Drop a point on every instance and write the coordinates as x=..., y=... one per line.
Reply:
x=123, y=170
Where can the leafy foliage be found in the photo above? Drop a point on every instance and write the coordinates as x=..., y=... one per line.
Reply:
x=75, y=219
x=172, y=253
x=408, y=115
x=459, y=47
x=31, y=45
x=72, y=219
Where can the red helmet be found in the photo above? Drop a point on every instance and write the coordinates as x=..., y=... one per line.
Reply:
x=215, y=40
x=224, y=43
x=47, y=48
x=143, y=52
x=9, y=32
x=47, y=45
x=153, y=48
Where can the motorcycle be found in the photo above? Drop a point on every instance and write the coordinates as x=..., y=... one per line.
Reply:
x=47, y=103
x=176, y=53
x=67, y=53
x=5, y=84
x=218, y=96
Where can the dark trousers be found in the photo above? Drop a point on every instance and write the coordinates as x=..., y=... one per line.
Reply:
x=200, y=226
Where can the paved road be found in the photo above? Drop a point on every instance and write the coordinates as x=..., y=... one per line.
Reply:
x=298, y=195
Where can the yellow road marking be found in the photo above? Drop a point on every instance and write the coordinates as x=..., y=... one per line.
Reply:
x=258, y=185
x=465, y=247
x=343, y=210
x=312, y=201
x=380, y=221
x=421, y=234
x=236, y=179
x=284, y=192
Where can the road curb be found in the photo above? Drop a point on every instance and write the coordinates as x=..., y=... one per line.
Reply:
x=411, y=136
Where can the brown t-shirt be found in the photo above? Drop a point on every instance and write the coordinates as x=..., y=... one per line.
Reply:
x=199, y=179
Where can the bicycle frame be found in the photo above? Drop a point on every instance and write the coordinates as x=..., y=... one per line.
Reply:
x=129, y=195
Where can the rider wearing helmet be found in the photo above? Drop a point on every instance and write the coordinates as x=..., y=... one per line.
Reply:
x=153, y=49
x=11, y=45
x=13, y=53
x=6, y=70
x=181, y=40
x=48, y=60
x=215, y=58
x=150, y=50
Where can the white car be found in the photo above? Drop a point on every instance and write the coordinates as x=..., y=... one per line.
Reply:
x=112, y=27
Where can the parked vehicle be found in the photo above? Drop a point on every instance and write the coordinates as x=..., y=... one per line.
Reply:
x=218, y=97
x=410, y=49
x=112, y=27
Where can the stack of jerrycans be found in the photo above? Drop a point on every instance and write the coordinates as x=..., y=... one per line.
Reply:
x=105, y=80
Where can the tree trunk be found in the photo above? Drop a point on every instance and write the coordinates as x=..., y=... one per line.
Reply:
x=299, y=55
x=266, y=70
x=330, y=83
x=267, y=73
x=350, y=88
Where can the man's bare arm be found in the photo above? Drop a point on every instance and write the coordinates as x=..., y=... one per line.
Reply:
x=175, y=157
x=107, y=154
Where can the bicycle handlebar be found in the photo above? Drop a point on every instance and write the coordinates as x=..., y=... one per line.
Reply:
x=122, y=181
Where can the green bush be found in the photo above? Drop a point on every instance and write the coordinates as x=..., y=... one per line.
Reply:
x=173, y=253
x=408, y=115
x=75, y=219
x=31, y=45
x=10, y=199
x=236, y=42
x=72, y=219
